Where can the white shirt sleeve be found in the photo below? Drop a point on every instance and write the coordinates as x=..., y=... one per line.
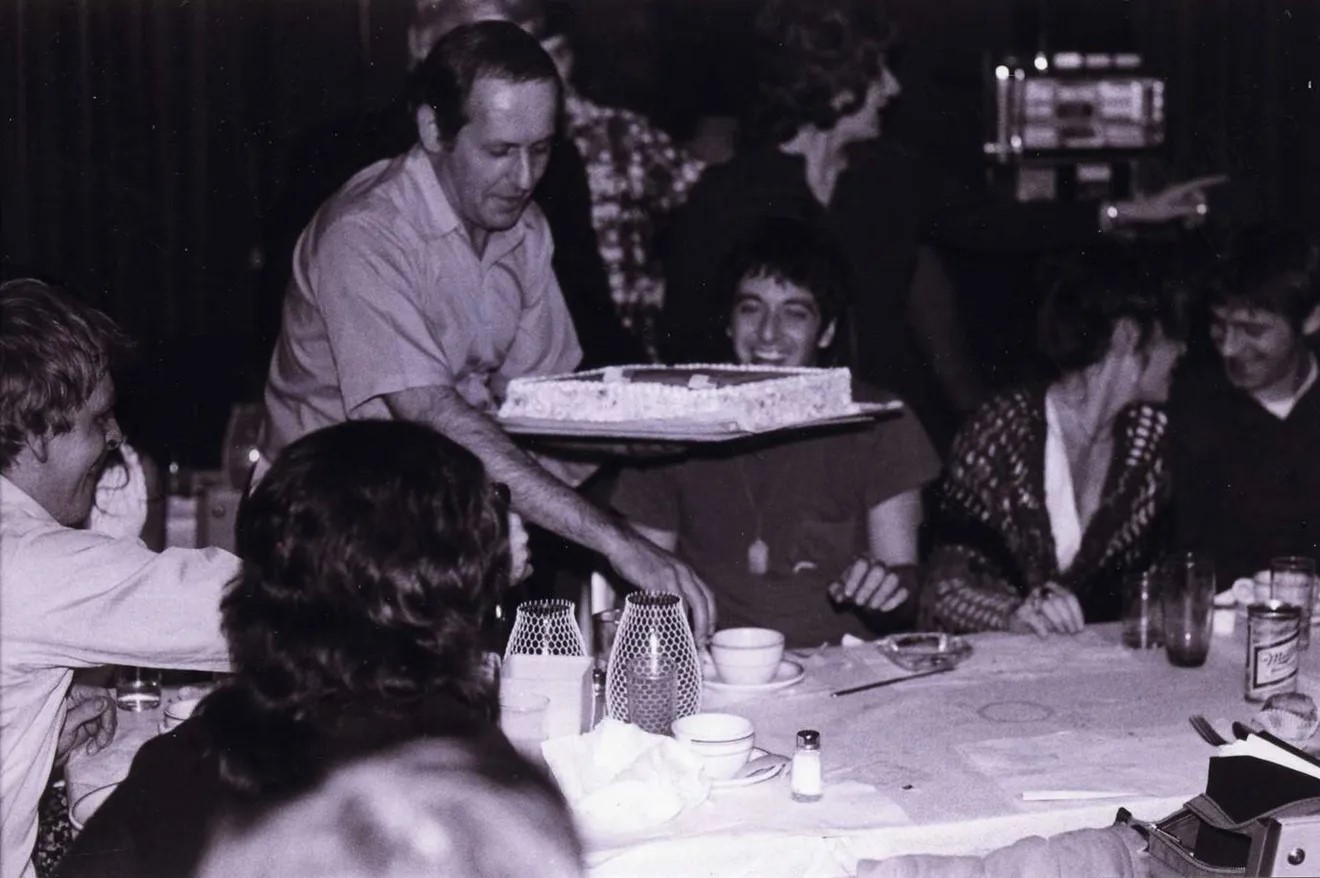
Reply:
x=75, y=598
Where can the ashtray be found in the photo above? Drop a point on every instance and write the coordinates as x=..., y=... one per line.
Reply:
x=924, y=651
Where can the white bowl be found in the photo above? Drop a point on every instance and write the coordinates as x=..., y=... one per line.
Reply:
x=747, y=656
x=178, y=711
x=722, y=740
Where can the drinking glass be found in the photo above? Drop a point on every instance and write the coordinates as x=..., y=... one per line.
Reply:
x=1292, y=581
x=522, y=719
x=240, y=451
x=651, y=693
x=1143, y=624
x=137, y=689
x=604, y=625
x=1187, y=602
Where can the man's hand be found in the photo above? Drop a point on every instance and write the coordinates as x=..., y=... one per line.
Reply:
x=870, y=585
x=1049, y=610
x=648, y=566
x=90, y=719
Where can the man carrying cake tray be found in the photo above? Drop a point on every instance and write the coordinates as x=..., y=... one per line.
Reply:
x=810, y=533
x=424, y=285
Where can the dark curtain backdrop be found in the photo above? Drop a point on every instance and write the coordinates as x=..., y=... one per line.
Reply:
x=145, y=141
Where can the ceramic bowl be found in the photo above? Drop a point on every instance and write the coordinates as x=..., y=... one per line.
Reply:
x=722, y=740
x=177, y=711
x=747, y=656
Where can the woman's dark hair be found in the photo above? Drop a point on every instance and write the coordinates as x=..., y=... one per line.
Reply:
x=799, y=252
x=489, y=48
x=1273, y=269
x=372, y=552
x=1099, y=286
x=816, y=59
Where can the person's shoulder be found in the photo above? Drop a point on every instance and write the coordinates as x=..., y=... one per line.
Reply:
x=381, y=195
x=1008, y=409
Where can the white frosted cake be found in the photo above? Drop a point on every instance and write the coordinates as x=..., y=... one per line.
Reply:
x=745, y=397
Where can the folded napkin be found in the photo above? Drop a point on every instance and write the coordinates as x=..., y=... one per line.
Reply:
x=619, y=779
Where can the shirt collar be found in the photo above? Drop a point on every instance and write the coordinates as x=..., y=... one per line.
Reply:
x=1282, y=408
x=14, y=497
x=440, y=219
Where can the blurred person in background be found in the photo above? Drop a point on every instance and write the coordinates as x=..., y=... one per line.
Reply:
x=813, y=148
x=813, y=534
x=446, y=807
x=372, y=551
x=1246, y=429
x=638, y=178
x=1053, y=492
x=72, y=597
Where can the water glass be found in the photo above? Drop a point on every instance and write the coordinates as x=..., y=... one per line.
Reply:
x=1292, y=581
x=604, y=625
x=137, y=689
x=1187, y=603
x=522, y=719
x=1143, y=623
x=651, y=683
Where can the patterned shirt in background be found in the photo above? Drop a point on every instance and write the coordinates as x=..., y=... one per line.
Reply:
x=637, y=176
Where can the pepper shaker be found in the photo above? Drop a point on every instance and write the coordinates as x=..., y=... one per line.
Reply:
x=807, y=784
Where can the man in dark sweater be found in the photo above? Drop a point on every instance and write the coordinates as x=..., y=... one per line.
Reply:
x=1246, y=450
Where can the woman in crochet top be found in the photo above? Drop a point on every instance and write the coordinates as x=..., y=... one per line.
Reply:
x=1054, y=492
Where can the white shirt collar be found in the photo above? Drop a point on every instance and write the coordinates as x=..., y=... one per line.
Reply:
x=12, y=496
x=1282, y=408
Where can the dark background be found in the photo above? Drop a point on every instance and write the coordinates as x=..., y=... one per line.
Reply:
x=146, y=141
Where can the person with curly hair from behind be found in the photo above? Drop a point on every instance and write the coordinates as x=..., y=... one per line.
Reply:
x=372, y=552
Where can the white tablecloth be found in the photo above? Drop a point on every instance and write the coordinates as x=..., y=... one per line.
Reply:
x=938, y=765
x=935, y=765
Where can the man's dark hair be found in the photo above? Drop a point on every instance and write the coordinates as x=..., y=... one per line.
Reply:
x=494, y=49
x=798, y=252
x=1270, y=268
x=54, y=351
x=372, y=551
x=1096, y=287
x=809, y=54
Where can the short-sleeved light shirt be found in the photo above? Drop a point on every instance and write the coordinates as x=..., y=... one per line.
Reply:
x=388, y=294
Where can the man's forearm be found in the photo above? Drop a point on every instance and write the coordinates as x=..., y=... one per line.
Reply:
x=537, y=495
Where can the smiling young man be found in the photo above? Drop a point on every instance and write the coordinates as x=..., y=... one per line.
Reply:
x=71, y=598
x=813, y=534
x=1247, y=430
x=424, y=286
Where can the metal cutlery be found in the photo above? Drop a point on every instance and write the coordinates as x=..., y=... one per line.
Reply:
x=1207, y=731
x=878, y=684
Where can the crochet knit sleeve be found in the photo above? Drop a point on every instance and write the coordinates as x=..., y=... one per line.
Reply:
x=968, y=583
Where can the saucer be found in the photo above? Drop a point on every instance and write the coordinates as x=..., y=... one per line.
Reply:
x=759, y=777
x=788, y=673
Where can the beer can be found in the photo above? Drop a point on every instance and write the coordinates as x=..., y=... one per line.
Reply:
x=1273, y=629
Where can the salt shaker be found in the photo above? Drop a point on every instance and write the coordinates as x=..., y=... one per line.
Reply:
x=807, y=784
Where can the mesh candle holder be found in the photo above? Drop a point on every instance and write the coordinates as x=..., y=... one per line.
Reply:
x=545, y=627
x=654, y=627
